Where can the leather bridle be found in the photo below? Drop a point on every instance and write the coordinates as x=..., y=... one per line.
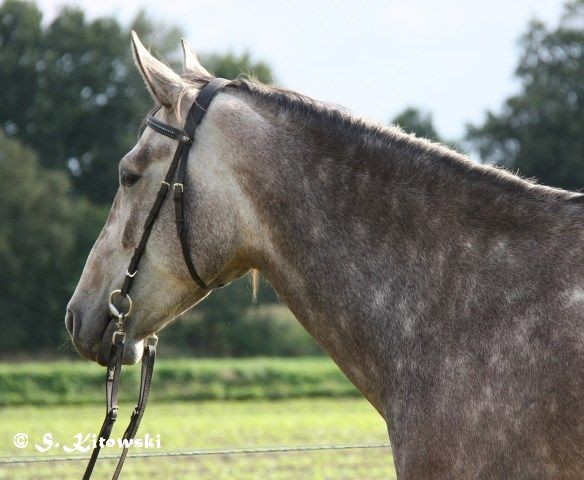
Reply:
x=178, y=168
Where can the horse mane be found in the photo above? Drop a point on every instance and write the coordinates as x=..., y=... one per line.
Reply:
x=411, y=151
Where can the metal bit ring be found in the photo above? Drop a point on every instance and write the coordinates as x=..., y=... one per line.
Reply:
x=114, y=310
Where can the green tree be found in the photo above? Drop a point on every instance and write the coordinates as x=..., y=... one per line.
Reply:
x=39, y=245
x=225, y=324
x=539, y=131
x=71, y=92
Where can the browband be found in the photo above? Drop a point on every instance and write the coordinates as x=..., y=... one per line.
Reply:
x=167, y=130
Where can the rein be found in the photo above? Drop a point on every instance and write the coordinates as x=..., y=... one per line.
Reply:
x=178, y=167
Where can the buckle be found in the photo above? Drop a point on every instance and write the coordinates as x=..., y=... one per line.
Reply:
x=131, y=275
x=118, y=334
x=175, y=185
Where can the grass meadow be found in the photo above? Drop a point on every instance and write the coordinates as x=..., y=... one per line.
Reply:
x=199, y=405
x=213, y=425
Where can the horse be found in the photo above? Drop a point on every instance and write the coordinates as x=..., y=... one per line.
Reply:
x=449, y=292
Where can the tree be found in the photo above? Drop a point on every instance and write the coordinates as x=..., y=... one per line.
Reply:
x=72, y=92
x=39, y=245
x=540, y=130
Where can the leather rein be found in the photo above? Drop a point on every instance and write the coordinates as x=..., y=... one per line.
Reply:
x=178, y=168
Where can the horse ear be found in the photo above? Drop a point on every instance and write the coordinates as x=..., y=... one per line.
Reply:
x=164, y=85
x=191, y=62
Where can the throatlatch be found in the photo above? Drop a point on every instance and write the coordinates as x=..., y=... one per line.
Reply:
x=178, y=165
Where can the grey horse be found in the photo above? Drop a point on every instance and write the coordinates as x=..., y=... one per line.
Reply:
x=450, y=293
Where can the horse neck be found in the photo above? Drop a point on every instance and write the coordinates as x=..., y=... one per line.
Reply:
x=351, y=229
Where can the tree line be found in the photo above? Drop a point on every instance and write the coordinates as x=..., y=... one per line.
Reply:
x=71, y=106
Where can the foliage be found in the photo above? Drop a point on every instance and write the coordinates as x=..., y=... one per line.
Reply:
x=539, y=130
x=72, y=91
x=218, y=379
x=228, y=325
x=73, y=94
x=39, y=243
x=214, y=425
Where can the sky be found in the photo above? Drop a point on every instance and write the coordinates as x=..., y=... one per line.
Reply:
x=453, y=58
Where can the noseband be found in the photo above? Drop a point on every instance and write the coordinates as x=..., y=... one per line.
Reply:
x=178, y=168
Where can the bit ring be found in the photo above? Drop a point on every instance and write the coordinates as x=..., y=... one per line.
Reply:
x=113, y=309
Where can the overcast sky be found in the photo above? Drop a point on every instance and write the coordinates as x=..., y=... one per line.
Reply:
x=454, y=58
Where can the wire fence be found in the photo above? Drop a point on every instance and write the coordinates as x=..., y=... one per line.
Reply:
x=194, y=453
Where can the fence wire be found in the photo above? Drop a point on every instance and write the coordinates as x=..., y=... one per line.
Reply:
x=194, y=453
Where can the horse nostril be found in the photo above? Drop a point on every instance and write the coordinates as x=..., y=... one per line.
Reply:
x=69, y=322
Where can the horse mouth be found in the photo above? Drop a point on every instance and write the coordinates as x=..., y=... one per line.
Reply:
x=99, y=350
x=95, y=344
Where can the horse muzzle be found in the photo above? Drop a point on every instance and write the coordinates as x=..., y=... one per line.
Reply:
x=94, y=343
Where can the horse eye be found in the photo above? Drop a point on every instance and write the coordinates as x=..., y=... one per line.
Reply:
x=128, y=179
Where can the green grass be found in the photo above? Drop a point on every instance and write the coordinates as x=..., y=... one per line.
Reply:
x=80, y=382
x=215, y=425
x=61, y=398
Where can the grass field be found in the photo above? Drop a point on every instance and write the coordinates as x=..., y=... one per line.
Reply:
x=214, y=425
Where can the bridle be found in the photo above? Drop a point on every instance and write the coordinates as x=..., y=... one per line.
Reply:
x=178, y=168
